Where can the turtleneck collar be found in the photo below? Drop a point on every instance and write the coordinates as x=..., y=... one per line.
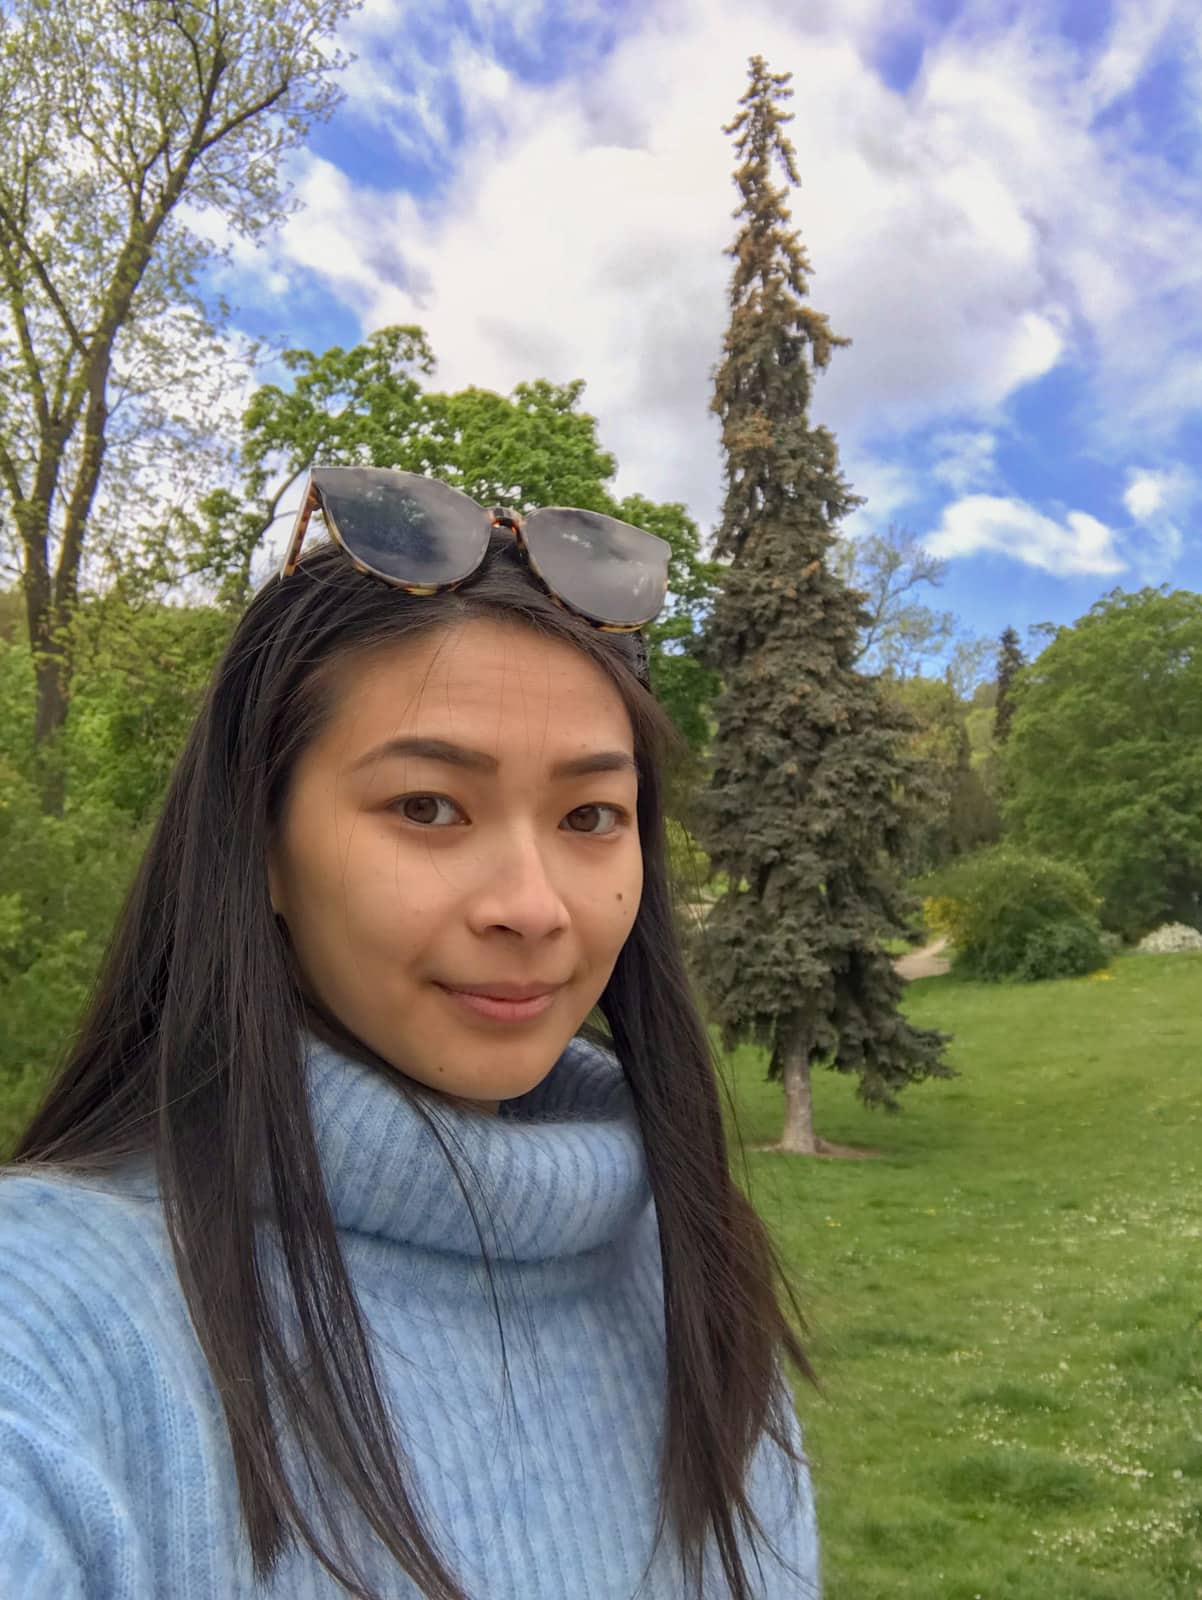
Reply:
x=559, y=1172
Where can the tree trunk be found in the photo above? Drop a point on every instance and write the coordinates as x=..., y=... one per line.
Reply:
x=50, y=606
x=48, y=620
x=798, y=1135
x=51, y=665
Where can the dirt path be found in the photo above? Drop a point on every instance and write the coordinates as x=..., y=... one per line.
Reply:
x=929, y=962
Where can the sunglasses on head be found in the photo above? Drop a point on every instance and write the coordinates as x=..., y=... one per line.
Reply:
x=422, y=536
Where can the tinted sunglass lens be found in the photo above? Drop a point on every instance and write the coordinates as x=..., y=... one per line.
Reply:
x=610, y=571
x=405, y=526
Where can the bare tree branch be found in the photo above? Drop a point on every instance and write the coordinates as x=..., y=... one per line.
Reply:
x=14, y=233
x=16, y=306
x=9, y=475
x=886, y=568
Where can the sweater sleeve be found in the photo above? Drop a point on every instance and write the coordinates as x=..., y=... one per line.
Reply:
x=39, y=1559
x=67, y=1529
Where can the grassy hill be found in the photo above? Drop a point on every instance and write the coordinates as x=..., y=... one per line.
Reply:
x=1006, y=1306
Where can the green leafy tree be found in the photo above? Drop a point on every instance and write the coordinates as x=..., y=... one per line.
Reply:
x=62, y=881
x=140, y=670
x=534, y=447
x=954, y=813
x=980, y=721
x=359, y=407
x=805, y=812
x=1103, y=765
x=112, y=118
x=141, y=673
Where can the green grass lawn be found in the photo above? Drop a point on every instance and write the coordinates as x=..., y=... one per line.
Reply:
x=1006, y=1307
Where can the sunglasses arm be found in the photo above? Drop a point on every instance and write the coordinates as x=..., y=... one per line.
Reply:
x=308, y=506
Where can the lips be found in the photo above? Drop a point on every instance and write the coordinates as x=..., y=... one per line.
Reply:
x=504, y=991
x=488, y=1008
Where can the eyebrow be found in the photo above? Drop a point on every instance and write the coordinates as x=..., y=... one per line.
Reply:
x=457, y=755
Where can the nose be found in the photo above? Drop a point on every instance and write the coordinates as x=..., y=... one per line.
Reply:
x=519, y=890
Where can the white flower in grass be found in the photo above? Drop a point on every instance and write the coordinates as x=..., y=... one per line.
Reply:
x=1171, y=938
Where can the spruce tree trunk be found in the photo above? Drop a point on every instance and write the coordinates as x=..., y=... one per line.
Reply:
x=797, y=1137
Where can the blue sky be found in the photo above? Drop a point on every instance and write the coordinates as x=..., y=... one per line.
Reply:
x=1002, y=203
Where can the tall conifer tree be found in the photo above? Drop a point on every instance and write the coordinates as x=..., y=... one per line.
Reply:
x=1009, y=664
x=812, y=783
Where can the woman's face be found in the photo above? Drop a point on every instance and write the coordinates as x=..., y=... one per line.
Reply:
x=405, y=873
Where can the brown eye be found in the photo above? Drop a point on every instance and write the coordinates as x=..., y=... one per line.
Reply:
x=591, y=811
x=428, y=803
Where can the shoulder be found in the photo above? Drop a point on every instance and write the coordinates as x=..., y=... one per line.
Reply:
x=72, y=1213
x=82, y=1263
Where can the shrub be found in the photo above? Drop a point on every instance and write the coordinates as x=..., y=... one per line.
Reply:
x=1010, y=915
x=64, y=879
x=1067, y=947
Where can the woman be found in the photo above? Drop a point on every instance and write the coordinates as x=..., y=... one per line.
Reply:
x=414, y=842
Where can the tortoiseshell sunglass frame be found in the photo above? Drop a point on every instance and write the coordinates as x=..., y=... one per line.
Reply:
x=313, y=500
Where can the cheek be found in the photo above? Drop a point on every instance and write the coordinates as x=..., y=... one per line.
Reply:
x=359, y=894
x=390, y=899
x=622, y=903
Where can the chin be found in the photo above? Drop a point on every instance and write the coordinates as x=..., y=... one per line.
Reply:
x=503, y=1074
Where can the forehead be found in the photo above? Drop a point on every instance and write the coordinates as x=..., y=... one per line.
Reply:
x=502, y=686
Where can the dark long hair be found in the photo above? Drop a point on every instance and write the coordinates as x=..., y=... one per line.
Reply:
x=189, y=1050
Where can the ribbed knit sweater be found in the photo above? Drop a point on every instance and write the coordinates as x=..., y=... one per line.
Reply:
x=116, y=1474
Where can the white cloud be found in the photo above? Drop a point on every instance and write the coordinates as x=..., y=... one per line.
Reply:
x=348, y=236
x=1191, y=60
x=1157, y=499
x=983, y=522
x=968, y=235
x=1079, y=543
x=1153, y=492
x=391, y=89
x=964, y=459
x=888, y=487
x=1138, y=33
x=1144, y=496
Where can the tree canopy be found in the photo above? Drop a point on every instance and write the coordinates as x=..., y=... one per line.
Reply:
x=369, y=405
x=1104, y=759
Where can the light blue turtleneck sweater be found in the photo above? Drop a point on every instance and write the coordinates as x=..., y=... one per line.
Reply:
x=116, y=1476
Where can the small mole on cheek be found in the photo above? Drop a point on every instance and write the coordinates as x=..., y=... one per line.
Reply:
x=619, y=894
